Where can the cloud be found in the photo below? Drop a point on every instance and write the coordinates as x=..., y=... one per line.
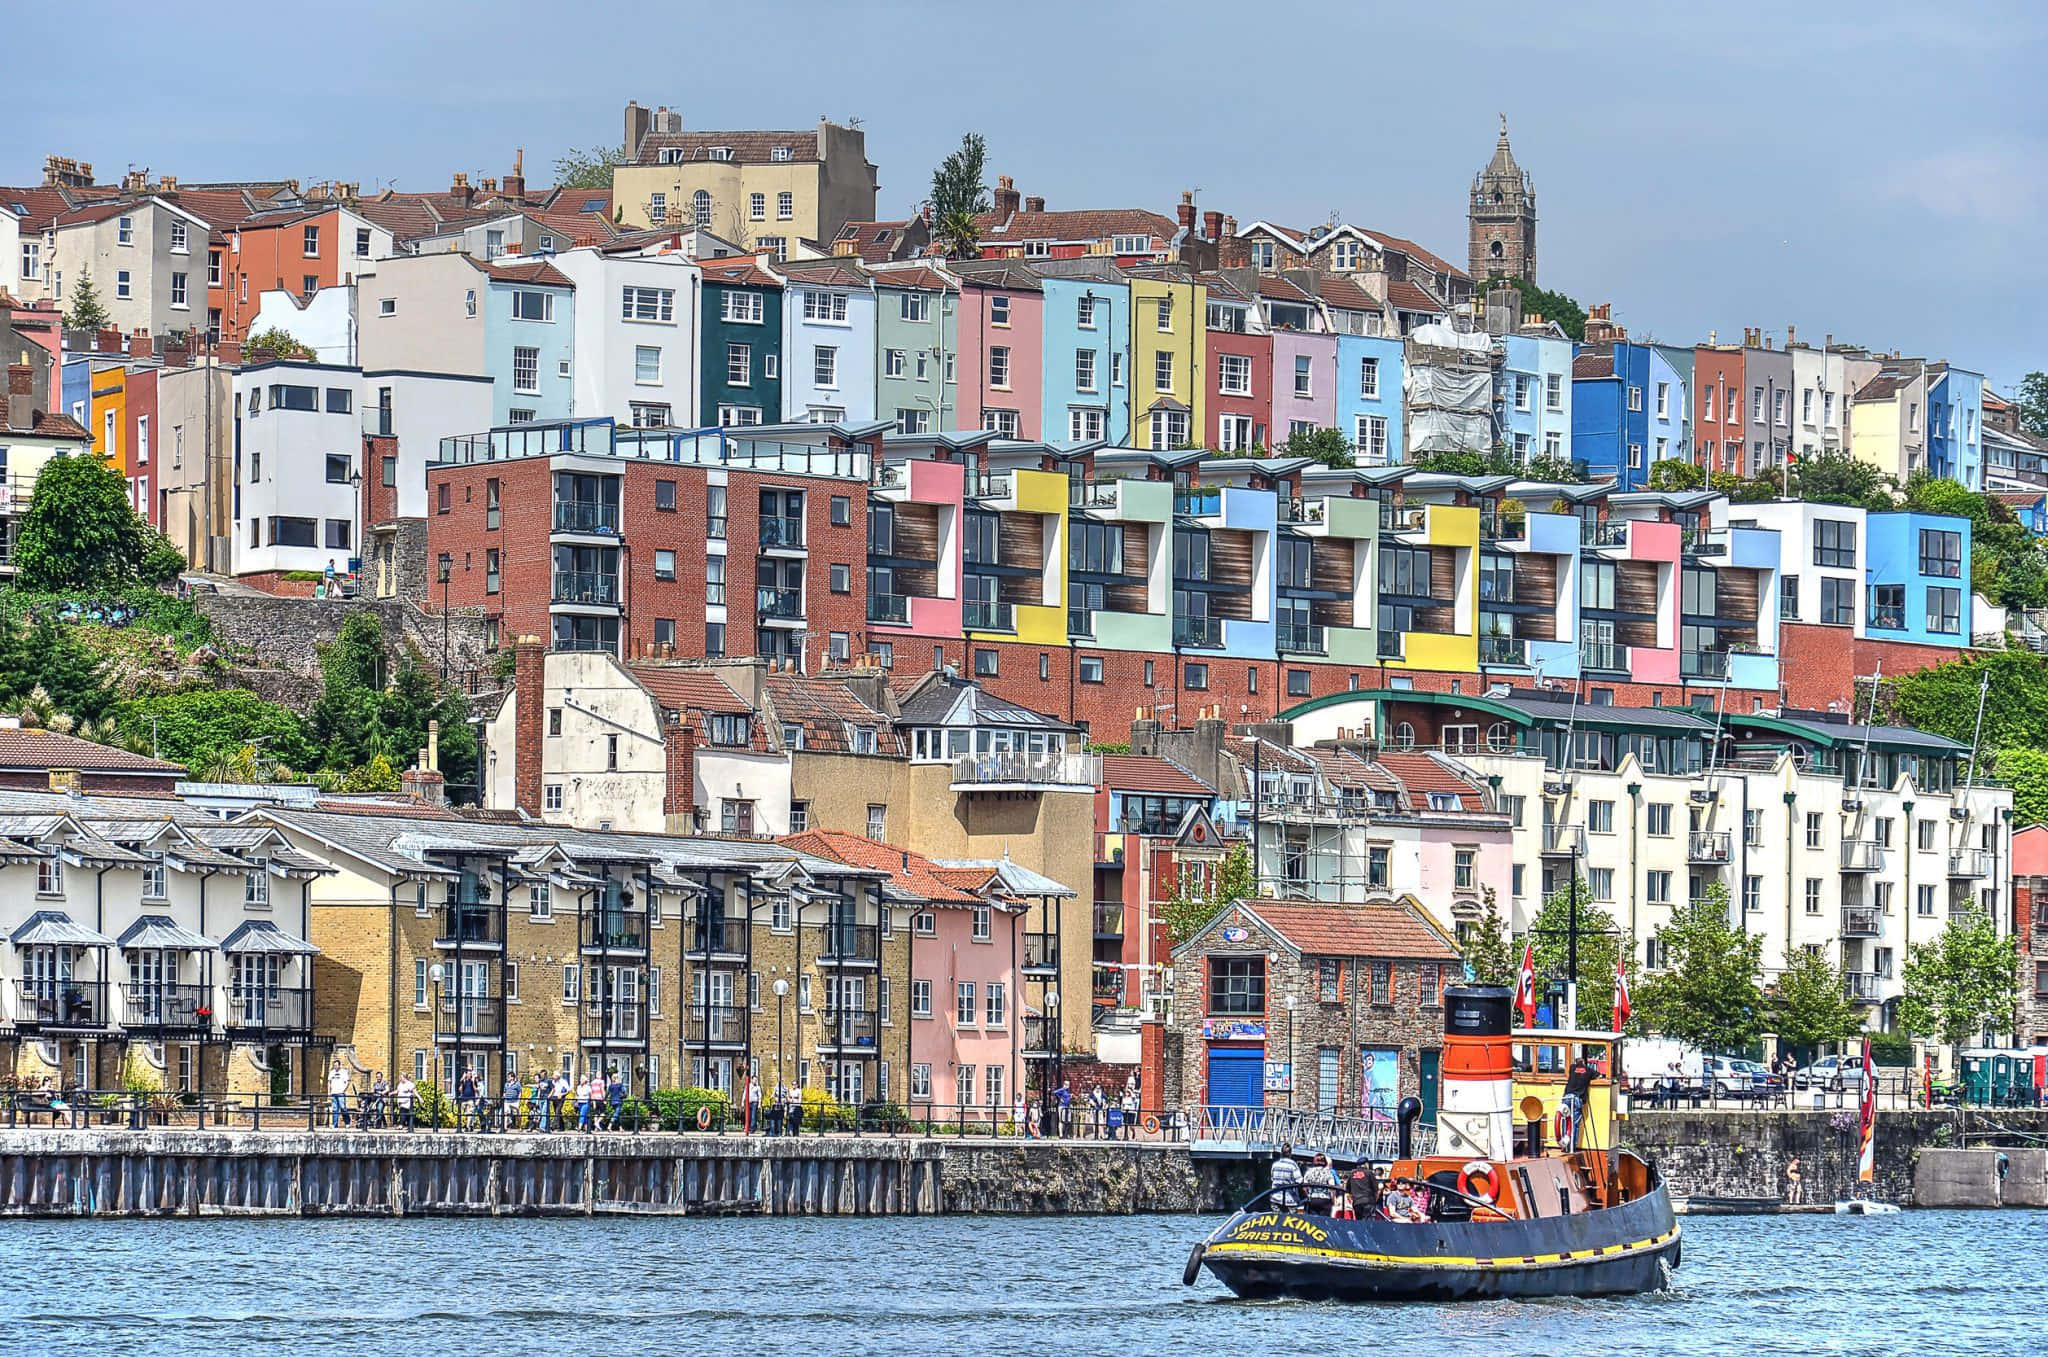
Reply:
x=1991, y=185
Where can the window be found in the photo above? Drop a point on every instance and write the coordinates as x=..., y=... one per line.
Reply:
x=121, y=287
x=664, y=564
x=915, y=306
x=1196, y=677
x=655, y=303
x=825, y=366
x=1834, y=543
x=1945, y=611
x=1838, y=602
x=1923, y=901
x=1084, y=370
x=1086, y=425
x=1941, y=554
x=1237, y=985
x=739, y=364
x=913, y=421
x=1600, y=817
x=1369, y=378
x=1372, y=437
x=1233, y=374
x=825, y=306
x=740, y=308
x=646, y=364
x=1788, y=598
x=1303, y=375
x=551, y=797
x=526, y=370
x=785, y=203
x=1657, y=817
x=878, y=821
x=1298, y=682
x=1553, y=392
x=842, y=578
x=714, y=579
x=1752, y=893
x=1236, y=433
x=892, y=362
x=1162, y=370
x=987, y=663
x=999, y=367
x=1003, y=422
x=757, y=206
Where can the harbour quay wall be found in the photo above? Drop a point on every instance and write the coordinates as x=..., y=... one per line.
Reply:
x=227, y=1173
x=1731, y=1154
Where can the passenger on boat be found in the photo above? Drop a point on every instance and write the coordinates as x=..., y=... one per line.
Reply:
x=1576, y=1086
x=1405, y=1205
x=1363, y=1188
x=1319, y=1185
x=1286, y=1182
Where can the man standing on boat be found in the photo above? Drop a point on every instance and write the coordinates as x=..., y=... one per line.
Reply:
x=1577, y=1085
x=1319, y=1185
x=1286, y=1182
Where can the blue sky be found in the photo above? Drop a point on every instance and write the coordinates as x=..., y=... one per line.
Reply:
x=1873, y=171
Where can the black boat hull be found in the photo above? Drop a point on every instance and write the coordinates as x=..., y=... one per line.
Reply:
x=1621, y=1251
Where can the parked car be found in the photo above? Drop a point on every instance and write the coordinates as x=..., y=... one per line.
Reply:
x=1832, y=1072
x=1732, y=1077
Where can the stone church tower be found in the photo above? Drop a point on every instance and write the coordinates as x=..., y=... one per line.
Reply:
x=1502, y=217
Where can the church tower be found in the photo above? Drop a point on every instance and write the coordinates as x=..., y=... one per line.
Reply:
x=1502, y=217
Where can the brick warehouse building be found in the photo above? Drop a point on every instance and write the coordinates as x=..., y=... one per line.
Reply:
x=1094, y=583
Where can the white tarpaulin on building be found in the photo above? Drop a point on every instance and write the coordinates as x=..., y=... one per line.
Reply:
x=1448, y=393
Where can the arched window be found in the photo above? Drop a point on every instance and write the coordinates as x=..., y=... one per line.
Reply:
x=1497, y=198
x=700, y=203
x=1404, y=736
x=1495, y=250
x=1497, y=736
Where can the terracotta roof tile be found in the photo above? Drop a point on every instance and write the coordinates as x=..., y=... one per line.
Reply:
x=1417, y=253
x=1386, y=929
x=42, y=749
x=873, y=241
x=689, y=689
x=1079, y=226
x=407, y=217
x=40, y=205
x=1406, y=296
x=1592, y=366
x=1422, y=774
x=746, y=271
x=50, y=425
x=1150, y=773
x=747, y=148
x=913, y=873
x=825, y=708
x=1338, y=290
x=920, y=279
x=833, y=271
x=539, y=272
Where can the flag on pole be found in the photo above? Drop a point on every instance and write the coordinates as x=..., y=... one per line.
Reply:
x=1866, y=1158
x=1621, y=1007
x=1525, y=985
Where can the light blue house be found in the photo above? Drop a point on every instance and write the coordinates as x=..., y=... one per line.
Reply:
x=1369, y=397
x=1533, y=393
x=530, y=343
x=1955, y=420
x=1667, y=425
x=1917, y=568
x=1680, y=358
x=828, y=342
x=1087, y=342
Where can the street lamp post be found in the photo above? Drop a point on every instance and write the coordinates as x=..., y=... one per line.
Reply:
x=781, y=1003
x=437, y=973
x=447, y=569
x=1288, y=1003
x=1052, y=1038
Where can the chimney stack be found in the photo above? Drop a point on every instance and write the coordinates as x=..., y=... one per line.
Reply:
x=424, y=784
x=1006, y=196
x=529, y=699
x=1791, y=335
x=1034, y=204
x=460, y=188
x=21, y=380
x=1212, y=225
x=1186, y=211
x=515, y=182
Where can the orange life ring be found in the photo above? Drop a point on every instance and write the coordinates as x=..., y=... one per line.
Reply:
x=703, y=1118
x=1151, y=1124
x=1475, y=1180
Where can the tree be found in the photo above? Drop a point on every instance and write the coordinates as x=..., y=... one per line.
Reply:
x=1498, y=461
x=1537, y=301
x=80, y=532
x=1488, y=952
x=2026, y=772
x=2033, y=404
x=49, y=660
x=959, y=195
x=275, y=344
x=1328, y=446
x=1710, y=994
x=588, y=169
x=1601, y=941
x=358, y=719
x=415, y=698
x=1674, y=473
x=193, y=727
x=1196, y=901
x=1943, y=699
x=1962, y=984
x=1809, y=1002
x=346, y=717
x=1838, y=478
x=87, y=312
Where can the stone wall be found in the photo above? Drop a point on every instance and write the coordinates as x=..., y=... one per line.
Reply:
x=1743, y=1154
x=286, y=633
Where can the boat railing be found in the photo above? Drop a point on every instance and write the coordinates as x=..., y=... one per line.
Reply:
x=1225, y=1130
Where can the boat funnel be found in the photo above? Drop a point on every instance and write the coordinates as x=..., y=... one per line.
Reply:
x=1407, y=1115
x=1477, y=1120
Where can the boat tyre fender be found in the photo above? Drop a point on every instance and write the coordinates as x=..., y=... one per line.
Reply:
x=703, y=1118
x=1193, y=1270
x=1151, y=1125
x=1475, y=1180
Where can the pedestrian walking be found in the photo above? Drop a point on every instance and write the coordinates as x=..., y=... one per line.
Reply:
x=793, y=1115
x=753, y=1106
x=337, y=1096
x=1129, y=1106
x=402, y=1096
x=1063, y=1105
x=615, y=1099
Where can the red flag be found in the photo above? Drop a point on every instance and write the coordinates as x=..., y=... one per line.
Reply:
x=1621, y=1008
x=1525, y=986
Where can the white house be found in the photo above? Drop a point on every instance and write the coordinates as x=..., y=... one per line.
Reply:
x=324, y=322
x=298, y=456
x=636, y=336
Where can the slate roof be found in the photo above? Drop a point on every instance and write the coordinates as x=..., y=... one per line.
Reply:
x=826, y=708
x=43, y=749
x=748, y=148
x=957, y=701
x=913, y=874
x=1150, y=773
x=1884, y=386
x=1408, y=247
x=1072, y=227
x=1380, y=929
x=920, y=278
x=1012, y=274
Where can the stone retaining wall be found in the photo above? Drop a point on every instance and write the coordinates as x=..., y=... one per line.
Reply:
x=287, y=632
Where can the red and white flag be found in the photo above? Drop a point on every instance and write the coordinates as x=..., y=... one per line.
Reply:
x=1621, y=1008
x=1525, y=985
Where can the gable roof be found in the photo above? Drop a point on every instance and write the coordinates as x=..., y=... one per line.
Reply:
x=1592, y=366
x=1406, y=296
x=35, y=207
x=689, y=689
x=826, y=708
x=1150, y=773
x=831, y=271
x=1435, y=262
x=24, y=749
x=953, y=701
x=872, y=241
x=1395, y=929
x=1073, y=227
x=1422, y=774
x=913, y=874
x=747, y=148
x=746, y=271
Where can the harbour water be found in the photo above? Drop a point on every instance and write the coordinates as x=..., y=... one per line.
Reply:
x=1927, y=1282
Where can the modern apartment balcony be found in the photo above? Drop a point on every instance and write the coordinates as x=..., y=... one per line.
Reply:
x=1862, y=855
x=779, y=605
x=1604, y=656
x=1202, y=633
x=1860, y=986
x=1710, y=847
x=1393, y=645
x=613, y=930
x=1042, y=951
x=1564, y=841
x=60, y=1005
x=714, y=1025
x=979, y=615
x=848, y=1034
x=1302, y=638
x=588, y=517
x=715, y=939
x=889, y=609
x=1611, y=532
x=1014, y=770
x=782, y=534
x=1969, y=864
x=470, y=1019
x=168, y=1010
x=472, y=927
x=280, y=1014
x=1197, y=502
x=1495, y=526
x=1504, y=650
x=1861, y=921
x=587, y=588
x=612, y=1022
x=1703, y=541
x=1703, y=664
x=1303, y=511
x=1041, y=1038
x=1887, y=618
x=998, y=485
x=849, y=945
x=1109, y=922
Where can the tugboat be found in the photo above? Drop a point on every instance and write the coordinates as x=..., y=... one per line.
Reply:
x=1496, y=1212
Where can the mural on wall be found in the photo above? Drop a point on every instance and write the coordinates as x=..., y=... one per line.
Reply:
x=1380, y=1082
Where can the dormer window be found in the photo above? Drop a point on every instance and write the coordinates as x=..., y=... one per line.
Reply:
x=780, y=153
x=726, y=728
x=1446, y=801
x=256, y=885
x=719, y=153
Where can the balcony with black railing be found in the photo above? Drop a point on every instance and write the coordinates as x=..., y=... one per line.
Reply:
x=779, y=605
x=988, y=615
x=470, y=1018
x=63, y=1005
x=1604, y=656
x=1302, y=638
x=847, y=1033
x=1504, y=650
x=1109, y=922
x=592, y=587
x=587, y=516
x=602, y=929
x=257, y=1013
x=849, y=945
x=470, y=926
x=167, y=1010
x=1861, y=921
x=1042, y=952
x=706, y=938
x=1712, y=847
x=714, y=1025
x=613, y=1022
x=1496, y=526
x=1041, y=1038
x=784, y=533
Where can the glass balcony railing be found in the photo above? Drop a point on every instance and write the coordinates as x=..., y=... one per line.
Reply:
x=586, y=586
x=782, y=532
x=1707, y=664
x=889, y=608
x=1510, y=650
x=1302, y=638
x=1198, y=503
x=989, y=615
x=781, y=604
x=1201, y=632
x=1393, y=645
x=1710, y=846
x=1602, y=655
x=576, y=515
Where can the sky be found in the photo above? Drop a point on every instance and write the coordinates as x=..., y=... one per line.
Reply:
x=1871, y=171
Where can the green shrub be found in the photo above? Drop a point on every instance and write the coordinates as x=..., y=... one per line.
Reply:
x=431, y=1107
x=1891, y=1048
x=677, y=1108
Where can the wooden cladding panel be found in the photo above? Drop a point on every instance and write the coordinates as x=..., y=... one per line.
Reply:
x=917, y=531
x=1331, y=565
x=1736, y=594
x=1443, y=572
x=1635, y=588
x=1536, y=580
x=1020, y=538
x=1138, y=549
x=1230, y=562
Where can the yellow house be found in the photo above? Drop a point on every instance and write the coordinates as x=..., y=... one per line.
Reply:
x=108, y=415
x=761, y=190
x=1169, y=353
x=1888, y=422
